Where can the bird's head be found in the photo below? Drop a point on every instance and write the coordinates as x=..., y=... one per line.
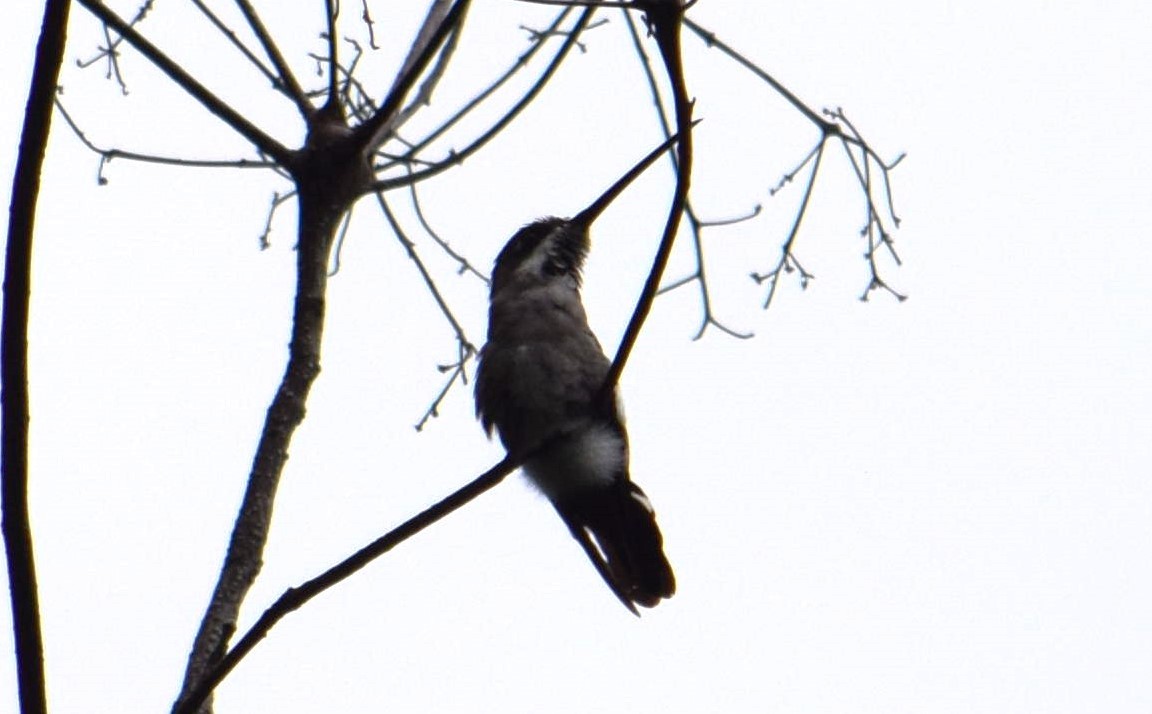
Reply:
x=552, y=248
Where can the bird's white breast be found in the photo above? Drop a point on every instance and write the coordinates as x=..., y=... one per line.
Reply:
x=589, y=457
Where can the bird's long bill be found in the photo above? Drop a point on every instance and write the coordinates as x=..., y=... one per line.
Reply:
x=590, y=214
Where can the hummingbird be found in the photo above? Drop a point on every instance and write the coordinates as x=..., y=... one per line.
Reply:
x=540, y=386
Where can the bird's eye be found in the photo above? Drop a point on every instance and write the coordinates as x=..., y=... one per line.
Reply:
x=555, y=267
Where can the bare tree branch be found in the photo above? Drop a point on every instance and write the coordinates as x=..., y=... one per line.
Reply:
x=211, y=102
x=230, y=34
x=694, y=223
x=294, y=598
x=106, y=155
x=522, y=61
x=664, y=18
x=331, y=13
x=319, y=216
x=110, y=51
x=465, y=348
x=372, y=133
x=369, y=23
x=835, y=126
x=278, y=200
x=289, y=84
x=23, y=591
x=458, y=157
x=788, y=262
x=424, y=93
x=464, y=264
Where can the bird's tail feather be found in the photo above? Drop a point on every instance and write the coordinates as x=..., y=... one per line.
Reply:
x=617, y=530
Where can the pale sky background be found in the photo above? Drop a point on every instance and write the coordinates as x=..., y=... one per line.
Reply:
x=943, y=505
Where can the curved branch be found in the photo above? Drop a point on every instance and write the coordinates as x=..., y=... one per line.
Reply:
x=106, y=155
x=17, y=530
x=664, y=18
x=695, y=224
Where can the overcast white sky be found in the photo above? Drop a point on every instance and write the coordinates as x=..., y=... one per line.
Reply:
x=942, y=505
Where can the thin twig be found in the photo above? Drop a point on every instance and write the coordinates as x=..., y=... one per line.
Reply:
x=230, y=34
x=457, y=157
x=289, y=83
x=371, y=134
x=278, y=199
x=359, y=107
x=522, y=61
x=694, y=223
x=787, y=261
x=462, y=262
x=111, y=49
x=106, y=155
x=664, y=18
x=338, y=246
x=465, y=347
x=177, y=74
x=370, y=23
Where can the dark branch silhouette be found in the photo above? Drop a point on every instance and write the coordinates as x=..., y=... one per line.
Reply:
x=459, y=156
x=833, y=125
x=287, y=80
x=466, y=350
x=107, y=155
x=294, y=598
x=354, y=147
x=664, y=18
x=695, y=225
x=23, y=592
x=211, y=102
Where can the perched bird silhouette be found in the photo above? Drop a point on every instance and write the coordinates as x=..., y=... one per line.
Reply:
x=540, y=386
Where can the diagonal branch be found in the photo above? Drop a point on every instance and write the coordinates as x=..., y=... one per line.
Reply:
x=464, y=347
x=240, y=46
x=373, y=132
x=294, y=598
x=458, y=157
x=318, y=220
x=423, y=95
x=290, y=85
x=711, y=40
x=211, y=102
x=459, y=115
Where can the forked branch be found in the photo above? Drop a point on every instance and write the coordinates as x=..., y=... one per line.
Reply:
x=263, y=142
